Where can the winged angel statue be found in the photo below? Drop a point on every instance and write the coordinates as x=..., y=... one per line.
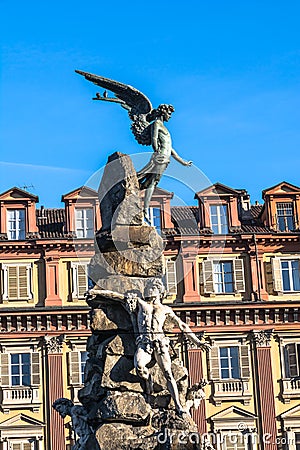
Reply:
x=148, y=129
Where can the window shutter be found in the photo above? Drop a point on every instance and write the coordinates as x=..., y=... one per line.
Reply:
x=4, y=369
x=207, y=267
x=239, y=277
x=277, y=279
x=171, y=277
x=214, y=364
x=292, y=360
x=35, y=368
x=23, y=282
x=82, y=286
x=74, y=368
x=12, y=274
x=245, y=362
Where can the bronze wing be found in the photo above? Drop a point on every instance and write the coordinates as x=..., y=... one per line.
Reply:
x=130, y=98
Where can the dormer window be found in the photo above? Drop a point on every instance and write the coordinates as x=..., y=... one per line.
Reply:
x=219, y=219
x=16, y=224
x=285, y=216
x=154, y=215
x=84, y=222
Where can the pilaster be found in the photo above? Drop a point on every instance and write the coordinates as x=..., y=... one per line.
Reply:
x=55, y=382
x=52, y=281
x=266, y=400
x=190, y=277
x=196, y=375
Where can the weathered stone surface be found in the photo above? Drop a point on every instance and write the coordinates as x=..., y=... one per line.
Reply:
x=110, y=317
x=119, y=283
x=119, y=193
x=168, y=432
x=119, y=436
x=119, y=373
x=128, y=250
x=123, y=344
x=124, y=407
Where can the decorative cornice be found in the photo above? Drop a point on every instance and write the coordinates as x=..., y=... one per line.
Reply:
x=262, y=338
x=54, y=344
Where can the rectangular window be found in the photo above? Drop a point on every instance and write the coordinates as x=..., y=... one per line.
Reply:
x=171, y=278
x=285, y=216
x=297, y=441
x=223, y=277
x=16, y=224
x=229, y=362
x=84, y=222
x=219, y=219
x=290, y=275
x=24, y=445
x=292, y=354
x=20, y=369
x=154, y=215
x=17, y=282
x=83, y=359
x=79, y=279
x=235, y=441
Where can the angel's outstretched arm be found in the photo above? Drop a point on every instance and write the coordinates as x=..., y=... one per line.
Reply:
x=179, y=159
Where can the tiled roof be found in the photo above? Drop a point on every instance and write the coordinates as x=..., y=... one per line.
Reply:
x=256, y=210
x=185, y=219
x=51, y=222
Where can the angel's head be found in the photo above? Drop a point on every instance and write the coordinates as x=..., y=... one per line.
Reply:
x=165, y=111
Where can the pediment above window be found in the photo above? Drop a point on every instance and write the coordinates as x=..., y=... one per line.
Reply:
x=230, y=419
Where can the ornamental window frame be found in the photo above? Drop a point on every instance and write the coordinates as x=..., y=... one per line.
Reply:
x=23, y=292
x=219, y=227
x=79, y=282
x=285, y=211
x=230, y=389
x=19, y=221
x=209, y=280
x=277, y=275
x=87, y=225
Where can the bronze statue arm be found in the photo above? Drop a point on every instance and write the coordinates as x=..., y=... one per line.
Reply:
x=111, y=295
x=179, y=159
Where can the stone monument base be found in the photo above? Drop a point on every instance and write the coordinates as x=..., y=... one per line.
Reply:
x=166, y=431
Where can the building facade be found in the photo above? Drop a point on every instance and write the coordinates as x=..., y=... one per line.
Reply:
x=232, y=273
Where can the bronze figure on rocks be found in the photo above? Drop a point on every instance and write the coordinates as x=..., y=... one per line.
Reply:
x=148, y=127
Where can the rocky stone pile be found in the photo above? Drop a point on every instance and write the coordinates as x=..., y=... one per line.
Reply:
x=128, y=253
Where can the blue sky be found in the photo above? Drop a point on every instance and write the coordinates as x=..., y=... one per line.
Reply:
x=230, y=68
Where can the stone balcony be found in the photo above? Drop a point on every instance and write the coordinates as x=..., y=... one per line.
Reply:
x=290, y=389
x=20, y=397
x=231, y=390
